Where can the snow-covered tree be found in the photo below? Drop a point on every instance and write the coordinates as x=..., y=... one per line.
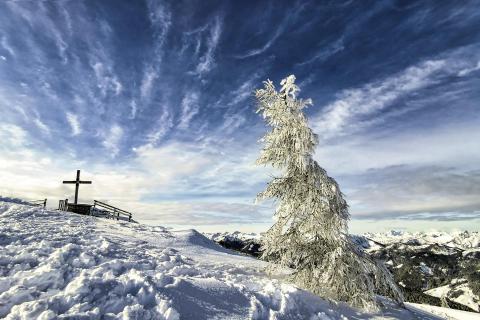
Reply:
x=310, y=233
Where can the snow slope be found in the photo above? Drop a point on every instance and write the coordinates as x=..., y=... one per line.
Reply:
x=58, y=265
x=464, y=294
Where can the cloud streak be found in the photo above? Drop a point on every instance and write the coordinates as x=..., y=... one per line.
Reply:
x=266, y=46
x=190, y=108
x=207, y=61
x=112, y=139
x=6, y=46
x=74, y=123
x=294, y=11
x=355, y=103
x=325, y=52
x=350, y=111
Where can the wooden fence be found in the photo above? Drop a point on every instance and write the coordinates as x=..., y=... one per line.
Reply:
x=99, y=209
x=63, y=205
x=110, y=212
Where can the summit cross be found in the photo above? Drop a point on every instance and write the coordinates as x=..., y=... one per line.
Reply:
x=77, y=184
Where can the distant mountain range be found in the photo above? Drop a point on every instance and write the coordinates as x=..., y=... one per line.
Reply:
x=436, y=268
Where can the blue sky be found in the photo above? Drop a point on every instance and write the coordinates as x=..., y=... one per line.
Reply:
x=153, y=101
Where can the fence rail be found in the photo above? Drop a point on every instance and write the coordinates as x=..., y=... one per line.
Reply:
x=63, y=205
x=99, y=209
x=111, y=211
x=39, y=203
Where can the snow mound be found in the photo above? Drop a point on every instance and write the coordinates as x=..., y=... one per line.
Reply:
x=194, y=237
x=59, y=265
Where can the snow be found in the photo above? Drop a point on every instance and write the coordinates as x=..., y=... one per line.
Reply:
x=459, y=239
x=465, y=296
x=232, y=236
x=57, y=265
x=443, y=313
x=471, y=252
x=439, y=292
x=425, y=269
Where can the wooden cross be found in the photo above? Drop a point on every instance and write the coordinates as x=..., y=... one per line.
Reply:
x=77, y=184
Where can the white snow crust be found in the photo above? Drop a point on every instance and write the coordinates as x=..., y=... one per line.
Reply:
x=60, y=265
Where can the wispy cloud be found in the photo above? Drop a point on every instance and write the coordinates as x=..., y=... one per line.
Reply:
x=113, y=138
x=107, y=81
x=161, y=127
x=466, y=71
x=133, y=109
x=349, y=111
x=373, y=97
x=232, y=123
x=40, y=19
x=239, y=94
x=42, y=126
x=266, y=46
x=6, y=46
x=295, y=10
x=325, y=52
x=12, y=135
x=190, y=107
x=74, y=123
x=161, y=20
x=245, y=90
x=148, y=79
x=207, y=61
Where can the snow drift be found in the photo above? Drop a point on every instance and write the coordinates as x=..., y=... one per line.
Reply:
x=56, y=265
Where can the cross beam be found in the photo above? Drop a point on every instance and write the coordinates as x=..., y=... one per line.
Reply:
x=77, y=183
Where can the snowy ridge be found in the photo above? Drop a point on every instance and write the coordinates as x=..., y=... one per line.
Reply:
x=464, y=240
x=459, y=239
x=219, y=236
x=56, y=265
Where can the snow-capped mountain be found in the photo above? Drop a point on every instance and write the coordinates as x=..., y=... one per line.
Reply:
x=460, y=239
x=434, y=264
x=59, y=265
x=464, y=240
